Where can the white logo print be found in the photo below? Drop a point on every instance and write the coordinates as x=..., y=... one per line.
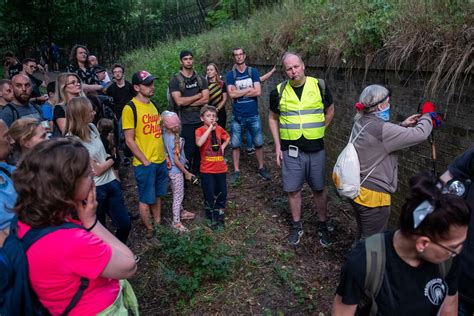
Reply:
x=435, y=290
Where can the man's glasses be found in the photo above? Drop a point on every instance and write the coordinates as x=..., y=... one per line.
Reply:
x=453, y=252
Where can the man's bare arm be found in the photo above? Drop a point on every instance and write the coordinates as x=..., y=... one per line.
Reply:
x=130, y=141
x=185, y=101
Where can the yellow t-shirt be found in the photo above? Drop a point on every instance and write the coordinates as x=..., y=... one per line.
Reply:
x=148, y=135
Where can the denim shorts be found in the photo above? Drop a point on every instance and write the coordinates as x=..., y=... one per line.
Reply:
x=152, y=182
x=309, y=167
x=252, y=124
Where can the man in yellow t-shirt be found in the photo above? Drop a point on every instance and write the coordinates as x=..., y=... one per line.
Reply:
x=144, y=138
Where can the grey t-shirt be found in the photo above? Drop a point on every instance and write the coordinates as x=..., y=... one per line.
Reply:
x=9, y=115
x=169, y=145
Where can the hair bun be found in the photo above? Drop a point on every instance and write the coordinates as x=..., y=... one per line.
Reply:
x=424, y=186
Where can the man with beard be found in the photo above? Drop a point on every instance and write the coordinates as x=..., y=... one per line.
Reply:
x=189, y=92
x=142, y=129
x=29, y=67
x=20, y=106
x=243, y=86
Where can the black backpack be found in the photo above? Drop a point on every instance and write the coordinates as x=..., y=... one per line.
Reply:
x=375, y=269
x=16, y=295
x=126, y=151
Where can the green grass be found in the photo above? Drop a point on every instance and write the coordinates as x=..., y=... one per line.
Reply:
x=339, y=32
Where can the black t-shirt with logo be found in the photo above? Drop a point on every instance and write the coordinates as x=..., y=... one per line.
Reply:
x=406, y=290
x=462, y=169
x=189, y=115
x=14, y=69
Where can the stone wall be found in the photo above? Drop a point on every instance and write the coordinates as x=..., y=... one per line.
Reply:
x=456, y=134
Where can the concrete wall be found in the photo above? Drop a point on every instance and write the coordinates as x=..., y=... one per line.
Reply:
x=407, y=86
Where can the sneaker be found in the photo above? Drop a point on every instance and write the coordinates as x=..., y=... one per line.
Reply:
x=234, y=177
x=323, y=232
x=251, y=150
x=263, y=172
x=295, y=235
x=180, y=228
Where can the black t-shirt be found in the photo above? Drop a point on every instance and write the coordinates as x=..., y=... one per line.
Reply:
x=121, y=96
x=189, y=115
x=302, y=143
x=58, y=112
x=405, y=290
x=462, y=169
x=15, y=69
x=35, y=84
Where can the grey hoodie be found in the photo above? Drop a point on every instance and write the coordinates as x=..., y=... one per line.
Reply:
x=377, y=146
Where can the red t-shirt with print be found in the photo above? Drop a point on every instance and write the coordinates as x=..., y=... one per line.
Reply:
x=212, y=161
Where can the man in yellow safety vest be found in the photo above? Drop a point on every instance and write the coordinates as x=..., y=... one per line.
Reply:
x=300, y=110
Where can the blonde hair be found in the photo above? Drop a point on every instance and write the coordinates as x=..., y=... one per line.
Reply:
x=218, y=74
x=22, y=130
x=60, y=96
x=78, y=117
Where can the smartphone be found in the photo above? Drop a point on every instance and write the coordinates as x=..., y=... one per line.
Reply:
x=293, y=151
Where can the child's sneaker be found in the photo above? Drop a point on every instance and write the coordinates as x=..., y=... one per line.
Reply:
x=179, y=228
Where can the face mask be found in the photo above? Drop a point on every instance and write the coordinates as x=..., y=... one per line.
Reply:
x=384, y=114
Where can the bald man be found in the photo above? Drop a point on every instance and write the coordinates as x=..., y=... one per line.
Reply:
x=20, y=106
x=300, y=110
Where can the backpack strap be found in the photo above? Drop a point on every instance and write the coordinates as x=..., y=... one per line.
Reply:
x=375, y=268
x=134, y=111
x=182, y=85
x=282, y=88
x=77, y=296
x=15, y=113
x=322, y=87
x=5, y=171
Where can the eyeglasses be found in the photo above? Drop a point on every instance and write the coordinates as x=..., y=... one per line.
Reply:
x=453, y=252
x=73, y=83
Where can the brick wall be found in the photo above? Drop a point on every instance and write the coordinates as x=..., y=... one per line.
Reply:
x=407, y=86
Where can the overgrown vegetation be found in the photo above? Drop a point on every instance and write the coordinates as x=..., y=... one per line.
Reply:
x=435, y=35
x=184, y=262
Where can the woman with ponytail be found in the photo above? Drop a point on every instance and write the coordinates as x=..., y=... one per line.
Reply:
x=177, y=172
x=377, y=144
x=432, y=229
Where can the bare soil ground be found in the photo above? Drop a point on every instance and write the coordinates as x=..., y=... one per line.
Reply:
x=270, y=277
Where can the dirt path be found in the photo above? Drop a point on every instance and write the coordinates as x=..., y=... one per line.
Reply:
x=271, y=277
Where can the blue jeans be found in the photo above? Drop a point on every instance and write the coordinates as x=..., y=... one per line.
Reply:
x=110, y=201
x=152, y=182
x=252, y=124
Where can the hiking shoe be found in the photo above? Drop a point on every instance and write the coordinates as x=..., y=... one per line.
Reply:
x=323, y=232
x=295, y=235
x=234, y=177
x=263, y=172
x=251, y=151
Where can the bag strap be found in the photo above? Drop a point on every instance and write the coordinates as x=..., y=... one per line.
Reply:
x=351, y=140
x=322, y=87
x=77, y=296
x=134, y=112
x=375, y=253
x=15, y=113
x=5, y=171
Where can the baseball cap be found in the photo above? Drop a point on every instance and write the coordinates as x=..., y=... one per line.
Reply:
x=142, y=77
x=98, y=69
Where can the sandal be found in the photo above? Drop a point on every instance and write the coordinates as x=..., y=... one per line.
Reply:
x=180, y=228
x=187, y=215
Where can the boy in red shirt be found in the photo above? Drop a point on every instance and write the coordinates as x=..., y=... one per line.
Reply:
x=212, y=140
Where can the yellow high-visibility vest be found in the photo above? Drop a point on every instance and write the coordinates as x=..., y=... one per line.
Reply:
x=301, y=117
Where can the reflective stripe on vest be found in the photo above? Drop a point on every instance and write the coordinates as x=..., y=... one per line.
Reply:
x=303, y=117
